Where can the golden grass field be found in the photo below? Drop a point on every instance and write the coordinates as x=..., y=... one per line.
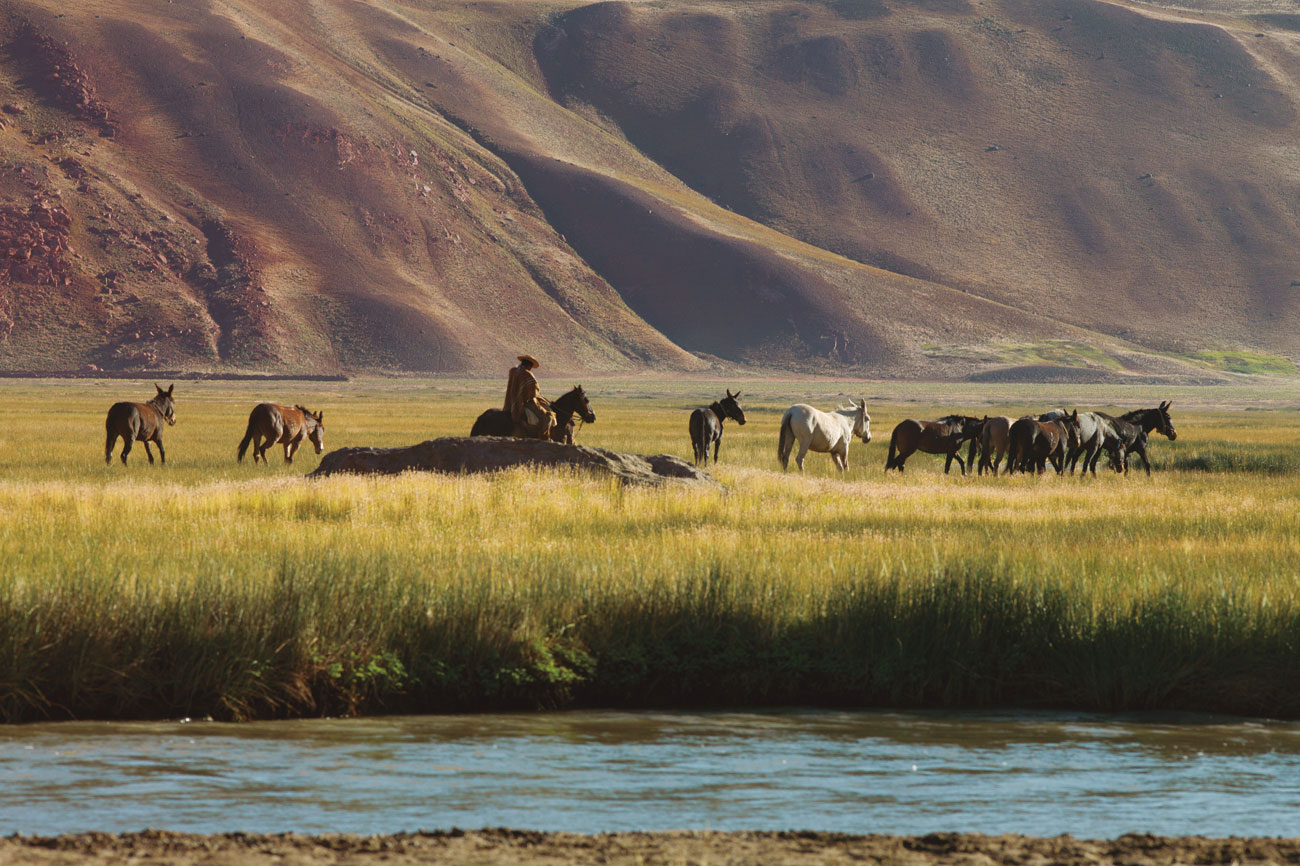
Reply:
x=207, y=587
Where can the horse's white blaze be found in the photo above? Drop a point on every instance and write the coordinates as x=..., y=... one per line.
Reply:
x=825, y=432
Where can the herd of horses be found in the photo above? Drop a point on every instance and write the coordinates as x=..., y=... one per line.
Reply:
x=1028, y=444
x=268, y=424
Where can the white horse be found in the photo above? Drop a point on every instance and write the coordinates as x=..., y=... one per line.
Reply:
x=822, y=431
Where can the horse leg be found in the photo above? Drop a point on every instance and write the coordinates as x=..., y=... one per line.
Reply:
x=841, y=460
x=126, y=446
x=148, y=453
x=717, y=443
x=1093, y=448
x=162, y=454
x=803, y=451
x=956, y=455
x=1146, y=464
x=291, y=447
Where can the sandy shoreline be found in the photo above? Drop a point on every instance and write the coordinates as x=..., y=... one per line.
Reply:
x=685, y=847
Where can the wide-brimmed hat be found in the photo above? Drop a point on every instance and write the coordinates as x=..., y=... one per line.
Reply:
x=530, y=360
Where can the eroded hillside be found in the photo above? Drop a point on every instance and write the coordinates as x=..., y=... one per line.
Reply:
x=897, y=187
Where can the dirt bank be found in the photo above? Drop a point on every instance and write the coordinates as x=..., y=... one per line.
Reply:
x=526, y=847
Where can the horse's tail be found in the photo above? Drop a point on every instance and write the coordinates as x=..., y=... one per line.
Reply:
x=1015, y=453
x=110, y=437
x=695, y=426
x=248, y=437
x=785, y=441
x=889, y=460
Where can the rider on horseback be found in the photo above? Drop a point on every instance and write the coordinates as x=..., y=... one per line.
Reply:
x=530, y=411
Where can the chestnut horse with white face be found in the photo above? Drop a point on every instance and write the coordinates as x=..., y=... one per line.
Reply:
x=270, y=424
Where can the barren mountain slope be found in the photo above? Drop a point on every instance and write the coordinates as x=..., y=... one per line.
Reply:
x=254, y=196
x=1125, y=172
x=309, y=185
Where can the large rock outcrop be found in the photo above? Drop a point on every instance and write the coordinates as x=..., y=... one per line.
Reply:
x=492, y=454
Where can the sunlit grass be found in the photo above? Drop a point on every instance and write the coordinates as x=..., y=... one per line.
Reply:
x=211, y=587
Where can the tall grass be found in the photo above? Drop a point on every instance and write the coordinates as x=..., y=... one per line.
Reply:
x=211, y=588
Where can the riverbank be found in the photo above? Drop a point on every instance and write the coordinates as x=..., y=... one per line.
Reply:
x=528, y=848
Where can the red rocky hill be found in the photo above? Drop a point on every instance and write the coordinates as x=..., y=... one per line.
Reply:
x=889, y=187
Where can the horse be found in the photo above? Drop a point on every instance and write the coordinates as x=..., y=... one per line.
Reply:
x=994, y=439
x=1034, y=443
x=705, y=425
x=139, y=422
x=497, y=422
x=1096, y=434
x=1133, y=427
x=822, y=431
x=944, y=436
x=271, y=423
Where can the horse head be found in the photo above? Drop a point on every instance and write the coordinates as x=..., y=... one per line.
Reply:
x=164, y=403
x=583, y=406
x=315, y=424
x=1070, y=423
x=731, y=407
x=863, y=426
x=1166, y=425
x=971, y=428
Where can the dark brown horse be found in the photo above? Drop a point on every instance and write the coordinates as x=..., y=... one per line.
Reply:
x=944, y=436
x=497, y=422
x=271, y=423
x=1133, y=427
x=1034, y=443
x=705, y=425
x=139, y=422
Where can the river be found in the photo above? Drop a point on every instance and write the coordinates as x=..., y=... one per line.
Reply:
x=859, y=772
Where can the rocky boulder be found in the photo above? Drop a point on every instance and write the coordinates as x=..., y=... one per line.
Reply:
x=493, y=453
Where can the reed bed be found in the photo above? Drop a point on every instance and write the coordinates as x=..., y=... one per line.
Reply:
x=208, y=588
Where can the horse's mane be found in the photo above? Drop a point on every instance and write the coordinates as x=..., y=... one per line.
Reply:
x=1136, y=414
x=571, y=395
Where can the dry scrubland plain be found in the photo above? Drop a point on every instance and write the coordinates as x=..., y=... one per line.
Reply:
x=210, y=588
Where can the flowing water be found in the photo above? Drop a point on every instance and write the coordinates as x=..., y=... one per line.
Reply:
x=1040, y=774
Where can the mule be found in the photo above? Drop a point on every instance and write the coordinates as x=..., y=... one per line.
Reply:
x=1034, y=443
x=497, y=422
x=992, y=443
x=270, y=424
x=139, y=422
x=705, y=425
x=825, y=432
x=1096, y=434
x=944, y=436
